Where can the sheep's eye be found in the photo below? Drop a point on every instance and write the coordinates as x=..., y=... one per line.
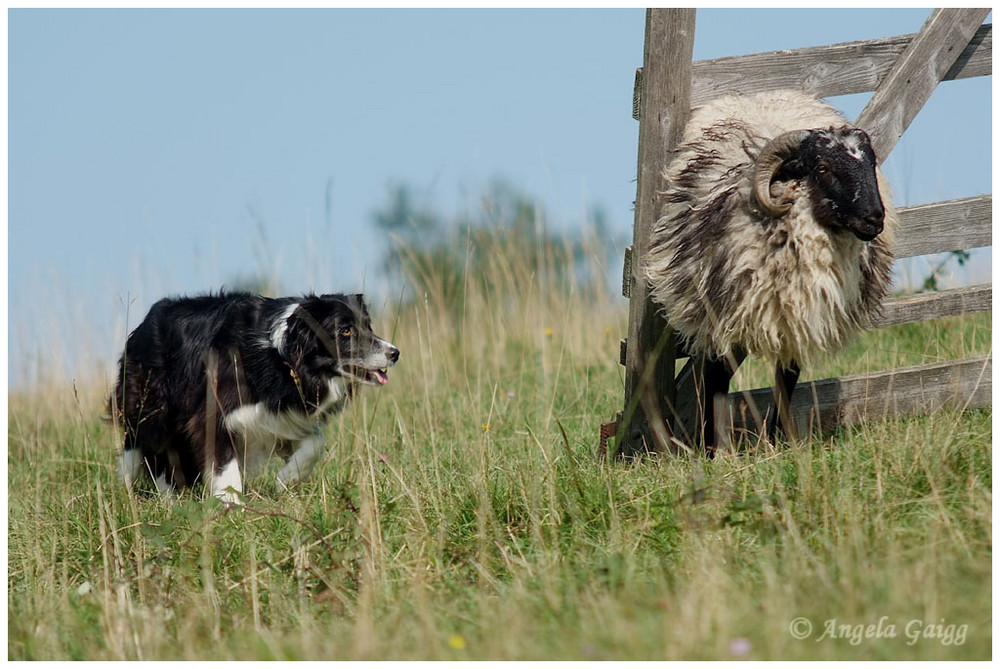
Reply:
x=822, y=169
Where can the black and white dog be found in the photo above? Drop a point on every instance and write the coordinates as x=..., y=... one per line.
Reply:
x=213, y=386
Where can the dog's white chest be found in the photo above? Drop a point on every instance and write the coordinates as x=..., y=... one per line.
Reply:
x=260, y=434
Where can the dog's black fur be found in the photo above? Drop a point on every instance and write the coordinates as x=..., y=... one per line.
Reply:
x=210, y=385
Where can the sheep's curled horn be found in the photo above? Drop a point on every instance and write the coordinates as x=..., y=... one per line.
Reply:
x=774, y=153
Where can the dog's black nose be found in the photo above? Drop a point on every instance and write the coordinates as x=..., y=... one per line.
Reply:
x=394, y=355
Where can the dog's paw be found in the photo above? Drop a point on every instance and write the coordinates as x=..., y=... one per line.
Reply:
x=286, y=480
x=292, y=474
x=229, y=496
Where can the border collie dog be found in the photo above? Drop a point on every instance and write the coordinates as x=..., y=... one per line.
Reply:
x=211, y=387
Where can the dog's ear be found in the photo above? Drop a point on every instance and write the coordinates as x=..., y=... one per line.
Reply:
x=305, y=335
x=296, y=335
x=362, y=306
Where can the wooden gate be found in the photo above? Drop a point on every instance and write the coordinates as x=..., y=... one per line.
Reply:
x=661, y=411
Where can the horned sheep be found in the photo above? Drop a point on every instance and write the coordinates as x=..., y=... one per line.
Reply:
x=774, y=239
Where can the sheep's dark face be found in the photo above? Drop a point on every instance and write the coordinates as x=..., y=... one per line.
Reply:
x=840, y=165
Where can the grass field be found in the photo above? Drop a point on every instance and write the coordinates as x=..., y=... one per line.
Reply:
x=461, y=513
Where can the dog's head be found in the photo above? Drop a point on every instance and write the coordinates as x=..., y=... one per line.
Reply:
x=331, y=335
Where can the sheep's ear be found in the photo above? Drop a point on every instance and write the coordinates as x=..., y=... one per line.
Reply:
x=862, y=137
x=791, y=169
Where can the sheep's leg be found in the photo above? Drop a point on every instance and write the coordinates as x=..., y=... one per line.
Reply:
x=716, y=378
x=785, y=379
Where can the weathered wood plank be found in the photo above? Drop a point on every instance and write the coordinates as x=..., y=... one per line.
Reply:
x=938, y=304
x=916, y=73
x=665, y=104
x=976, y=60
x=838, y=69
x=831, y=403
x=938, y=227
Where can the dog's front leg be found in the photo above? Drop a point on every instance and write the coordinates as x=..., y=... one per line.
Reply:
x=301, y=464
x=227, y=483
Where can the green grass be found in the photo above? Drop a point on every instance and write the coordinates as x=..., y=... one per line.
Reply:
x=451, y=518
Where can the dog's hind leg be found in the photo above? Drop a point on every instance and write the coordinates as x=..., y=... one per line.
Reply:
x=167, y=473
x=163, y=486
x=302, y=461
x=138, y=406
x=130, y=466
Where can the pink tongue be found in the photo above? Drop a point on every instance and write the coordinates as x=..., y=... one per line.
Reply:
x=381, y=378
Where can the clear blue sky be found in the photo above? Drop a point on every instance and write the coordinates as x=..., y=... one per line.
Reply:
x=164, y=152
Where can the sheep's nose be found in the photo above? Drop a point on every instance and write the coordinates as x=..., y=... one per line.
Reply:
x=876, y=220
x=870, y=226
x=876, y=217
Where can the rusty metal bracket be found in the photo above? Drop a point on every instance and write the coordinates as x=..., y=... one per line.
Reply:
x=627, y=273
x=608, y=431
x=637, y=93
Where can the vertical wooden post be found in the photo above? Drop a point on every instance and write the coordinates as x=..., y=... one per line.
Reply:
x=664, y=106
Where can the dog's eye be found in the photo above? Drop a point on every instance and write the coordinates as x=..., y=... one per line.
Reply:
x=346, y=332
